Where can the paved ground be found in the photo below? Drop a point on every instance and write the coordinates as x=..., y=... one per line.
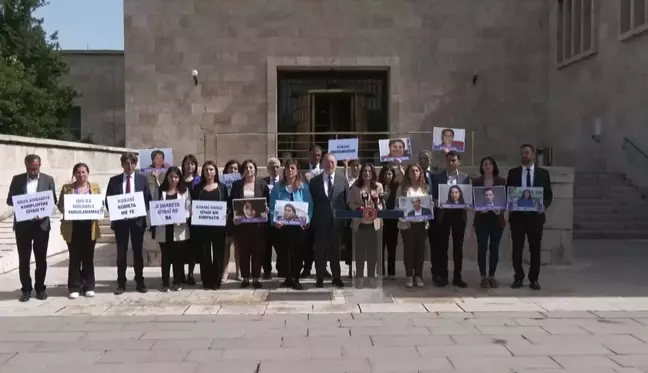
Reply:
x=589, y=317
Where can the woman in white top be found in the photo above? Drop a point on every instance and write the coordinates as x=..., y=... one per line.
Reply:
x=172, y=237
x=414, y=234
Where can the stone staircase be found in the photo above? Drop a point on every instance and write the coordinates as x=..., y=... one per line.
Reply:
x=607, y=207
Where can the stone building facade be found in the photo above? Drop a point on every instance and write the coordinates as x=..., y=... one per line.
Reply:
x=491, y=67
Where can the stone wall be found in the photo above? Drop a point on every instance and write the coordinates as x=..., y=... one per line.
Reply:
x=431, y=48
x=98, y=76
x=610, y=85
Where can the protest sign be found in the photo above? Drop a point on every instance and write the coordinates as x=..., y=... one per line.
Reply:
x=525, y=199
x=165, y=212
x=416, y=209
x=126, y=206
x=344, y=149
x=83, y=207
x=210, y=213
x=249, y=210
x=291, y=213
x=36, y=205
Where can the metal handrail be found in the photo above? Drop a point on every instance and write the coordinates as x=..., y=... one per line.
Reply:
x=627, y=141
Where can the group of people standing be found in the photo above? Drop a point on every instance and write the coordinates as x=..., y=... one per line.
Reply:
x=297, y=248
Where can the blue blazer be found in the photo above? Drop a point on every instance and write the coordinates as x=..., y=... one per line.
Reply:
x=116, y=187
x=280, y=193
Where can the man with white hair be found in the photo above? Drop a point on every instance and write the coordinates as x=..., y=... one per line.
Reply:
x=272, y=179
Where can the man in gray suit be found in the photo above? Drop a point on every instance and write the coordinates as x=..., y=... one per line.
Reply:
x=32, y=234
x=449, y=221
x=329, y=191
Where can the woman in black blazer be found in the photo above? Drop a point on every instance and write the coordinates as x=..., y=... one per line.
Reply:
x=250, y=237
x=211, y=239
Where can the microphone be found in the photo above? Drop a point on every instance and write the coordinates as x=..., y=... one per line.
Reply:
x=381, y=198
x=375, y=201
x=365, y=199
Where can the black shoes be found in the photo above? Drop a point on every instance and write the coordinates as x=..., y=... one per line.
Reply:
x=25, y=297
x=458, y=282
x=191, y=281
x=256, y=284
x=338, y=282
x=440, y=282
x=141, y=289
x=286, y=284
x=534, y=285
x=120, y=290
x=319, y=283
x=41, y=295
x=297, y=286
x=517, y=284
x=245, y=283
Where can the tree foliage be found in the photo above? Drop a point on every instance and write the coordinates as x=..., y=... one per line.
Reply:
x=34, y=100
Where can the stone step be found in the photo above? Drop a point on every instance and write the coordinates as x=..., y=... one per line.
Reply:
x=611, y=235
x=625, y=193
x=610, y=216
x=609, y=209
x=598, y=177
x=612, y=225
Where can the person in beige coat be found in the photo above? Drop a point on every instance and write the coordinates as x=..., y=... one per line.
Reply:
x=367, y=233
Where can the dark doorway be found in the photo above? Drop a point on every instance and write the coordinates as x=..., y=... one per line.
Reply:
x=316, y=105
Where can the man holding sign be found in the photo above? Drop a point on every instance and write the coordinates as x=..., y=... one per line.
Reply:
x=129, y=183
x=32, y=233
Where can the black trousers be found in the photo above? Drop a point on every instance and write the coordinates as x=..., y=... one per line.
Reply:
x=81, y=273
x=390, y=241
x=290, y=244
x=30, y=236
x=530, y=226
x=327, y=249
x=435, y=242
x=453, y=223
x=347, y=239
x=134, y=230
x=212, y=240
x=489, y=234
x=271, y=242
x=251, y=243
x=308, y=248
x=172, y=255
x=414, y=249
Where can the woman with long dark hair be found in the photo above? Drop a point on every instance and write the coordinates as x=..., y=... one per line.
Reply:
x=390, y=184
x=192, y=249
x=212, y=239
x=488, y=225
x=80, y=236
x=291, y=237
x=231, y=167
x=172, y=237
x=455, y=196
x=250, y=237
x=366, y=246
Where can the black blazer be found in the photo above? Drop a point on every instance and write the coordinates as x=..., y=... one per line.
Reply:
x=424, y=211
x=116, y=187
x=261, y=190
x=18, y=186
x=541, y=178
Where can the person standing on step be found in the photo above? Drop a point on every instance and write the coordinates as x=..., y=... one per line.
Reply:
x=273, y=166
x=312, y=168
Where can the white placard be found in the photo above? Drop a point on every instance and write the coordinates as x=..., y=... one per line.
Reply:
x=83, y=207
x=36, y=205
x=166, y=212
x=344, y=149
x=126, y=206
x=210, y=213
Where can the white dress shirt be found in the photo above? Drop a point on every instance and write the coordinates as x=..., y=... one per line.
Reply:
x=452, y=179
x=315, y=170
x=273, y=181
x=132, y=183
x=524, y=175
x=32, y=185
x=418, y=212
x=325, y=179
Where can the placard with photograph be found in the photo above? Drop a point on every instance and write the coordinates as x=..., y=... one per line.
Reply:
x=416, y=208
x=343, y=149
x=444, y=138
x=38, y=205
x=126, y=206
x=526, y=199
x=457, y=196
x=291, y=213
x=155, y=159
x=395, y=149
x=250, y=210
x=83, y=207
x=209, y=213
x=490, y=198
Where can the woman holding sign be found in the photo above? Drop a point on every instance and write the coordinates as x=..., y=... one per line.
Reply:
x=390, y=184
x=291, y=237
x=192, y=249
x=231, y=167
x=173, y=238
x=250, y=237
x=80, y=236
x=211, y=238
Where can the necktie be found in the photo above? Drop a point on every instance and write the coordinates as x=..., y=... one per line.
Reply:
x=330, y=186
x=528, y=178
x=128, y=187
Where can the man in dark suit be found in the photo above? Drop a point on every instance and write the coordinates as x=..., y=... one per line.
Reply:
x=33, y=234
x=329, y=191
x=124, y=183
x=449, y=221
x=312, y=167
x=271, y=180
x=528, y=224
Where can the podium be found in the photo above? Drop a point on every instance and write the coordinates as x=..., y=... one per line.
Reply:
x=367, y=255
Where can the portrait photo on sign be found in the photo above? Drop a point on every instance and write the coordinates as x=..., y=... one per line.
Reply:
x=416, y=208
x=491, y=198
x=395, y=149
x=444, y=138
x=525, y=199
x=155, y=159
x=249, y=210
x=455, y=196
x=291, y=213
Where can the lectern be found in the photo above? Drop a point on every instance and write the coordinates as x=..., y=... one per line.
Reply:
x=367, y=287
